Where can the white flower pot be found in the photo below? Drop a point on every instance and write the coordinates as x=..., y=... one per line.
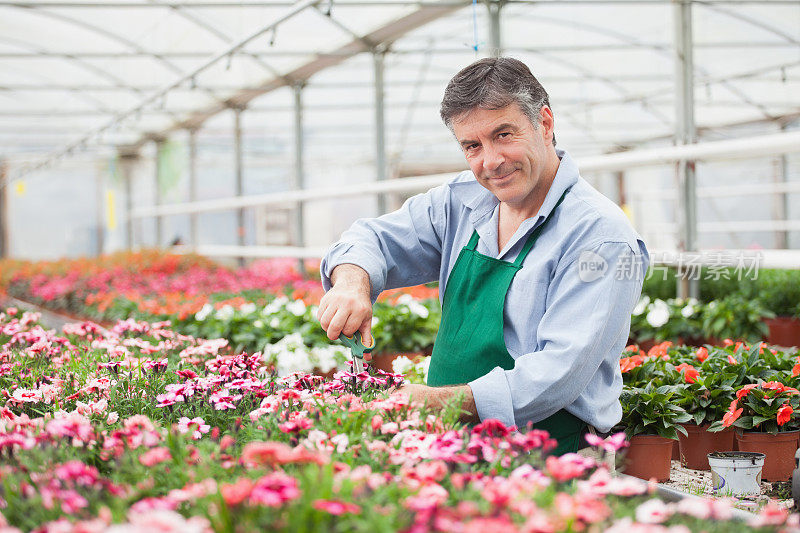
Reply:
x=736, y=473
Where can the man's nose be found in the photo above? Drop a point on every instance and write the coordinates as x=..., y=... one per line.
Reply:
x=492, y=158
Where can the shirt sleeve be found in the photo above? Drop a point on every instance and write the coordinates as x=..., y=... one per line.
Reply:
x=398, y=249
x=582, y=333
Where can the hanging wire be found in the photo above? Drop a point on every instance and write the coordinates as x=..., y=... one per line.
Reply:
x=475, y=26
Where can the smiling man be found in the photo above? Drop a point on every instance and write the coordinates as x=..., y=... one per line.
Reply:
x=538, y=272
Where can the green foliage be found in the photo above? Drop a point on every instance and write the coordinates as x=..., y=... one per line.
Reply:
x=652, y=410
x=736, y=317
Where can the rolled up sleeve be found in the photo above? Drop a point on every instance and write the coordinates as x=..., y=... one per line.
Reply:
x=579, y=339
x=398, y=249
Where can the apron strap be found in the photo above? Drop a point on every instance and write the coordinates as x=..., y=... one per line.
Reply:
x=535, y=235
x=473, y=241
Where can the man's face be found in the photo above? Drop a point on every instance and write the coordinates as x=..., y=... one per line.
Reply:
x=506, y=153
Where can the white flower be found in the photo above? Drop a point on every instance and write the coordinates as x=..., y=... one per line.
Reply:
x=659, y=314
x=275, y=305
x=247, y=308
x=203, y=313
x=225, y=312
x=687, y=311
x=423, y=366
x=402, y=365
x=644, y=301
x=258, y=324
x=297, y=308
x=375, y=321
x=274, y=323
x=418, y=309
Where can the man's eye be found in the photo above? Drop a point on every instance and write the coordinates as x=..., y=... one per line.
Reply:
x=504, y=134
x=471, y=147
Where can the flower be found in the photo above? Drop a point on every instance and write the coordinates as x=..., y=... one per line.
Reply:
x=658, y=314
x=732, y=414
x=701, y=354
x=273, y=490
x=653, y=512
x=784, y=414
x=689, y=372
x=155, y=456
x=196, y=426
x=741, y=393
x=336, y=507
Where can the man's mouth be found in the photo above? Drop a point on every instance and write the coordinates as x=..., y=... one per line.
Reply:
x=502, y=176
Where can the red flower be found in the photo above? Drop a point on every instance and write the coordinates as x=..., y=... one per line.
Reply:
x=731, y=360
x=796, y=370
x=336, y=507
x=785, y=414
x=701, y=354
x=690, y=374
x=236, y=493
x=626, y=364
x=727, y=342
x=741, y=393
x=732, y=414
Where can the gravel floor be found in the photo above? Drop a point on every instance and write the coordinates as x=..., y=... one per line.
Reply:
x=698, y=482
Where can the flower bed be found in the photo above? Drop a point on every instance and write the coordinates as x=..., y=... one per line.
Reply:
x=139, y=428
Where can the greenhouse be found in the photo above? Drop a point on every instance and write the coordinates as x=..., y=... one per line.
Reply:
x=400, y=265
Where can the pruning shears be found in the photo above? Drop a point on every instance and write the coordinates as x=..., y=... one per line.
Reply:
x=357, y=349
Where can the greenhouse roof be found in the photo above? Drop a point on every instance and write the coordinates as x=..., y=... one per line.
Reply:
x=104, y=76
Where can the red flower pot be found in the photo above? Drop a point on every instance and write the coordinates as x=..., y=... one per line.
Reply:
x=783, y=330
x=648, y=457
x=778, y=447
x=699, y=442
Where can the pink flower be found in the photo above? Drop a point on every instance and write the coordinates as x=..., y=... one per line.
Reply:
x=273, y=490
x=27, y=396
x=196, y=426
x=568, y=466
x=653, y=512
x=336, y=507
x=609, y=444
x=155, y=456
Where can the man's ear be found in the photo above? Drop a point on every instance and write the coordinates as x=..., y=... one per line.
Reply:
x=547, y=122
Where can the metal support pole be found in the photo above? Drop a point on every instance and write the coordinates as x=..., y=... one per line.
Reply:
x=495, y=36
x=239, y=171
x=4, y=234
x=379, y=60
x=685, y=134
x=127, y=161
x=193, y=185
x=157, y=193
x=781, y=200
x=100, y=219
x=299, y=177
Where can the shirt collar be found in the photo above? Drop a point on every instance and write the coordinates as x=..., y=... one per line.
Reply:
x=481, y=202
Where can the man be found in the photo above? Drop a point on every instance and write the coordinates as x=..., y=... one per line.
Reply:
x=538, y=272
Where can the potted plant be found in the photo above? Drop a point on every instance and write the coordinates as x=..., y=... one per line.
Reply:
x=704, y=394
x=735, y=317
x=659, y=320
x=766, y=415
x=651, y=420
x=779, y=291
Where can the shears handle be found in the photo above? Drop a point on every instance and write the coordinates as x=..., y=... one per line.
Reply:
x=357, y=347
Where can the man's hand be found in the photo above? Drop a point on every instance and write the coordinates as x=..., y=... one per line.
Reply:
x=438, y=397
x=347, y=307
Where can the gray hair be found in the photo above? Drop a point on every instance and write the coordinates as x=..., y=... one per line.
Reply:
x=494, y=83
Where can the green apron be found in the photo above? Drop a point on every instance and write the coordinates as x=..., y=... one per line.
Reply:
x=470, y=341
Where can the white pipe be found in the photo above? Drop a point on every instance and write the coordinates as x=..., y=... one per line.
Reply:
x=751, y=147
x=787, y=259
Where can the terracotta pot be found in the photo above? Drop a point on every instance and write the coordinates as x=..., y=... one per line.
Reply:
x=783, y=330
x=778, y=447
x=699, y=442
x=676, y=451
x=648, y=457
x=383, y=361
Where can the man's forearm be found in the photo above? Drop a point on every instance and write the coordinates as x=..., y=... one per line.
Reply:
x=439, y=397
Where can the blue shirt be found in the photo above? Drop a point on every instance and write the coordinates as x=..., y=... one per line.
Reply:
x=567, y=311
